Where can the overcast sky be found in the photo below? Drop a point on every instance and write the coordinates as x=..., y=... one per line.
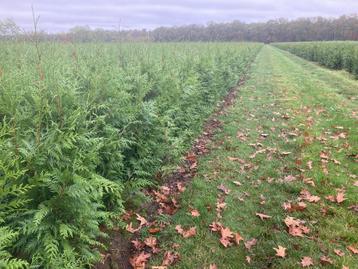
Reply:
x=61, y=15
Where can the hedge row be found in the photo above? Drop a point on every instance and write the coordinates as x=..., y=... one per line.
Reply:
x=84, y=127
x=334, y=54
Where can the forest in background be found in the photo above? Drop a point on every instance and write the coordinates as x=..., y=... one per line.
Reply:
x=280, y=30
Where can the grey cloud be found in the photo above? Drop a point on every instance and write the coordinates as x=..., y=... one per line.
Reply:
x=63, y=14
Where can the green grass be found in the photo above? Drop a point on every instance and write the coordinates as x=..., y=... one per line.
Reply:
x=280, y=84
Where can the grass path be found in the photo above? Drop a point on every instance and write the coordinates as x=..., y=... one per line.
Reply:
x=291, y=139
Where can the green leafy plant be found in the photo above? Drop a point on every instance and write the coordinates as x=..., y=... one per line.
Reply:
x=85, y=127
x=333, y=54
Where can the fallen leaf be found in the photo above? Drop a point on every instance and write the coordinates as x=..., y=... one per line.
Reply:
x=138, y=245
x=180, y=186
x=165, y=190
x=306, y=195
x=154, y=230
x=237, y=183
x=324, y=155
x=186, y=233
x=127, y=215
x=325, y=260
x=263, y=216
x=352, y=249
x=225, y=242
x=354, y=208
x=226, y=233
x=345, y=267
x=306, y=261
x=309, y=165
x=340, y=197
x=236, y=159
x=139, y=261
x=309, y=181
x=289, y=178
x=220, y=205
x=142, y=220
x=296, y=227
x=290, y=221
x=130, y=228
x=238, y=238
x=224, y=189
x=193, y=166
x=299, y=206
x=248, y=259
x=213, y=266
x=241, y=136
x=226, y=236
x=331, y=198
x=339, y=252
x=286, y=206
x=150, y=241
x=170, y=258
x=159, y=197
x=250, y=243
x=195, y=213
x=215, y=226
x=280, y=251
x=155, y=250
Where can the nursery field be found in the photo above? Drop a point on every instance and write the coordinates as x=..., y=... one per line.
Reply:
x=85, y=127
x=178, y=155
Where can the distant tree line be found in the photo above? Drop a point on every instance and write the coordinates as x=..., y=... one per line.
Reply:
x=280, y=30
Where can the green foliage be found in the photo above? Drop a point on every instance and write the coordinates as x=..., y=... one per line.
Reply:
x=87, y=126
x=12, y=202
x=335, y=55
x=7, y=237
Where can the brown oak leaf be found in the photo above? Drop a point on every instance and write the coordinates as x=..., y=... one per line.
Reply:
x=238, y=238
x=139, y=261
x=186, y=233
x=170, y=258
x=195, y=213
x=325, y=260
x=306, y=195
x=340, y=197
x=130, y=228
x=352, y=249
x=280, y=251
x=306, y=261
x=150, y=241
x=339, y=252
x=138, y=245
x=250, y=243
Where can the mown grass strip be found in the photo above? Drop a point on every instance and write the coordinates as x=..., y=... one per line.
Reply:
x=283, y=120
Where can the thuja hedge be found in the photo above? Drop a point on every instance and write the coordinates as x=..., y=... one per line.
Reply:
x=332, y=54
x=84, y=126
